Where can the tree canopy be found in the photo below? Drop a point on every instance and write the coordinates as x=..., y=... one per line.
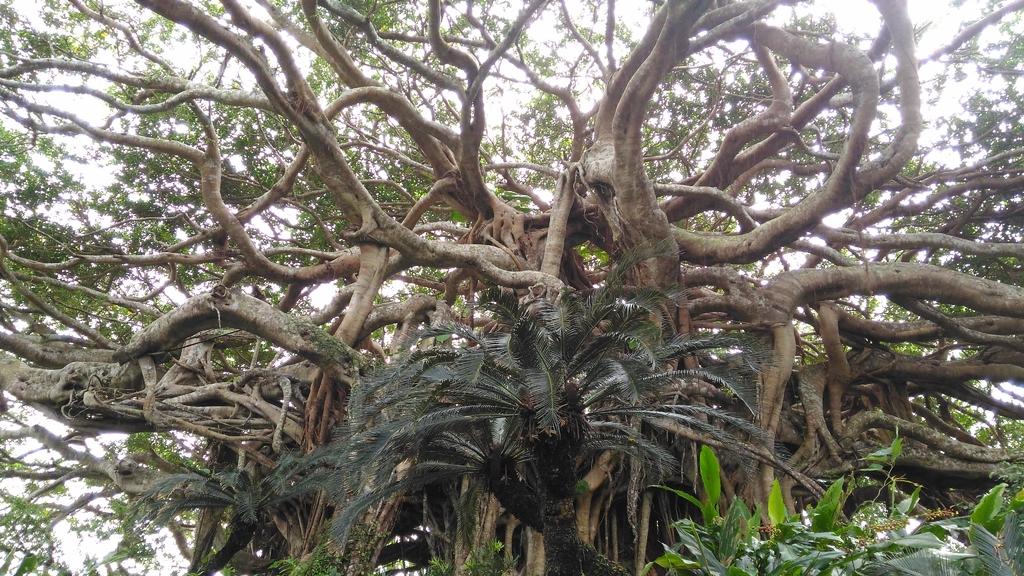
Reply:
x=220, y=216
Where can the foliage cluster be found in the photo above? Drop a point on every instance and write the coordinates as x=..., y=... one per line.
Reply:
x=894, y=537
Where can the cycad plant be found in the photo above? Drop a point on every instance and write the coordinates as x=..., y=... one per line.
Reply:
x=520, y=404
x=250, y=500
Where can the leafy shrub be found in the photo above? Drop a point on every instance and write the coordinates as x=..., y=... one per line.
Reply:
x=320, y=563
x=989, y=542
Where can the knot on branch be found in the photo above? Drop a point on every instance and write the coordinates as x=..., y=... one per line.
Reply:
x=364, y=234
x=220, y=292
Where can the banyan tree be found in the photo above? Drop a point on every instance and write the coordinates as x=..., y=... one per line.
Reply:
x=241, y=238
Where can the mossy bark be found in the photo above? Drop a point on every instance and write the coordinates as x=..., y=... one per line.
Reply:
x=565, y=553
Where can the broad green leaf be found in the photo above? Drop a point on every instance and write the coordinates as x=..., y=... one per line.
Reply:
x=887, y=454
x=880, y=455
x=672, y=560
x=1017, y=502
x=732, y=532
x=684, y=495
x=824, y=536
x=710, y=476
x=986, y=513
x=28, y=565
x=776, y=505
x=824, y=515
x=920, y=540
x=754, y=522
x=907, y=504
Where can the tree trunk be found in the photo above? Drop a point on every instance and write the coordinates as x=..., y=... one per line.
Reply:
x=640, y=551
x=241, y=534
x=534, y=552
x=562, y=544
x=594, y=564
x=206, y=530
x=483, y=521
x=564, y=552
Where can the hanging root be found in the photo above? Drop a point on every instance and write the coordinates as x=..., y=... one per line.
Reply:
x=286, y=398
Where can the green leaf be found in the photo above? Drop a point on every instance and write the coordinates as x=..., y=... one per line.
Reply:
x=28, y=565
x=916, y=541
x=754, y=522
x=888, y=454
x=907, y=504
x=582, y=487
x=880, y=455
x=710, y=476
x=824, y=515
x=1017, y=502
x=776, y=505
x=732, y=532
x=684, y=495
x=672, y=560
x=986, y=513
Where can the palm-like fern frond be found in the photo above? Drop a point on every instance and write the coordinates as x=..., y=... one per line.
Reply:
x=618, y=437
x=420, y=475
x=179, y=493
x=1001, y=554
x=919, y=563
x=292, y=478
x=1013, y=540
x=578, y=372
